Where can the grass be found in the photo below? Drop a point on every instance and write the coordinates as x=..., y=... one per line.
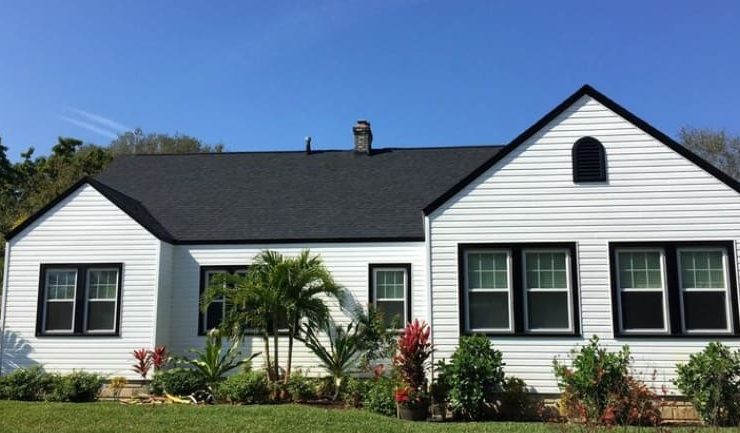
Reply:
x=22, y=417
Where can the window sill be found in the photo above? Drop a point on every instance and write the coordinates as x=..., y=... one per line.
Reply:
x=77, y=334
x=526, y=335
x=728, y=336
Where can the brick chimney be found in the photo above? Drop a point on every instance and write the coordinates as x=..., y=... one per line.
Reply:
x=363, y=137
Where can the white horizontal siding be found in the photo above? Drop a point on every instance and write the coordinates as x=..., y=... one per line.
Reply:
x=348, y=263
x=653, y=193
x=83, y=228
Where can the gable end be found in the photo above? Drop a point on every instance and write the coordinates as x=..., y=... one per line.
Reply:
x=128, y=205
x=586, y=90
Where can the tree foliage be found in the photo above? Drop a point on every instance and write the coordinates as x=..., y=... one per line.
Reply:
x=27, y=185
x=718, y=147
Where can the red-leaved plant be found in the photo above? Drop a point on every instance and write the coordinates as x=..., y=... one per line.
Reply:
x=146, y=359
x=411, y=358
x=159, y=357
x=143, y=362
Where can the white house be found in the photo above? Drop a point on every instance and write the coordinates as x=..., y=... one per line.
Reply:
x=591, y=222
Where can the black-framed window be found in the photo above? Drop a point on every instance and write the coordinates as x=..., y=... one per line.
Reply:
x=518, y=289
x=589, y=161
x=79, y=299
x=390, y=291
x=672, y=289
x=216, y=311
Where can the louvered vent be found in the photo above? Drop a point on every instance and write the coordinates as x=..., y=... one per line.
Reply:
x=589, y=161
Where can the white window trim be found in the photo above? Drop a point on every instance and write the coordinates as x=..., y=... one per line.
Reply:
x=376, y=298
x=726, y=290
x=48, y=272
x=663, y=290
x=509, y=291
x=88, y=300
x=567, y=289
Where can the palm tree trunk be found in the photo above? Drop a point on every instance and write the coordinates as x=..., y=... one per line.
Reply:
x=292, y=331
x=275, y=346
x=266, y=340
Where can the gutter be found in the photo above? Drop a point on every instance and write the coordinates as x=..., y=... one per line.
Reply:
x=428, y=259
x=6, y=277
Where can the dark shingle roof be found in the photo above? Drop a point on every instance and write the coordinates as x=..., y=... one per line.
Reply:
x=284, y=196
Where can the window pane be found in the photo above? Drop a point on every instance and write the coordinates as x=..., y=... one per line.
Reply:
x=59, y=316
x=642, y=310
x=214, y=314
x=546, y=270
x=488, y=310
x=101, y=315
x=392, y=312
x=61, y=284
x=640, y=270
x=704, y=310
x=547, y=310
x=702, y=270
x=102, y=284
x=487, y=271
x=390, y=284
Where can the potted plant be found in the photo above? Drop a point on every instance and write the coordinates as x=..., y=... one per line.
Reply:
x=411, y=404
x=411, y=362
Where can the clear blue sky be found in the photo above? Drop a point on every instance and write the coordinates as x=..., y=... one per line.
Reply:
x=262, y=75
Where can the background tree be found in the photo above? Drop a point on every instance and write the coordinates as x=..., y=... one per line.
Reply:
x=29, y=184
x=137, y=142
x=716, y=146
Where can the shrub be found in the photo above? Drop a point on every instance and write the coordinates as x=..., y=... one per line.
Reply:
x=77, y=387
x=515, y=402
x=27, y=384
x=177, y=381
x=355, y=391
x=598, y=388
x=379, y=397
x=711, y=381
x=246, y=388
x=301, y=388
x=472, y=377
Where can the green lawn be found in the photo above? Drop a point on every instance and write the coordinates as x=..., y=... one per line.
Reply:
x=20, y=417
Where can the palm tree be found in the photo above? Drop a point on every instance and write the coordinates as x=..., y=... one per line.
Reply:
x=308, y=283
x=278, y=292
x=252, y=305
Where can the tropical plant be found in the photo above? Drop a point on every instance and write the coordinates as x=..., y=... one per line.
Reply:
x=343, y=352
x=143, y=362
x=159, y=357
x=711, y=381
x=307, y=282
x=212, y=363
x=116, y=384
x=411, y=361
x=379, y=341
x=278, y=293
x=472, y=377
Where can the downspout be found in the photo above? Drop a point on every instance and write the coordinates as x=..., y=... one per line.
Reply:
x=428, y=259
x=5, y=301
